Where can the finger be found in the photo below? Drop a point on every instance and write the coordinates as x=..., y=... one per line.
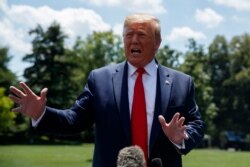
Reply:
x=14, y=98
x=43, y=94
x=175, y=118
x=183, y=133
x=186, y=135
x=181, y=121
x=17, y=109
x=162, y=121
x=26, y=89
x=183, y=129
x=16, y=92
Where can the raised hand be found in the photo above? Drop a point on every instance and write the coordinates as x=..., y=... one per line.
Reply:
x=29, y=103
x=174, y=130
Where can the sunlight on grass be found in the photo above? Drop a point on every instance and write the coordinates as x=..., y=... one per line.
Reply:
x=46, y=156
x=81, y=156
x=216, y=158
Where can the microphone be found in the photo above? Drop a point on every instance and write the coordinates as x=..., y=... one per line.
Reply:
x=156, y=162
x=131, y=156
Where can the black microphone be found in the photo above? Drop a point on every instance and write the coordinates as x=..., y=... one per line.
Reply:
x=131, y=156
x=156, y=162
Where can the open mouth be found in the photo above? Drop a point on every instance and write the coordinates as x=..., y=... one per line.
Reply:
x=135, y=51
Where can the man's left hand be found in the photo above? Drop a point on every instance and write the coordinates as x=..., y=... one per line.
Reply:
x=174, y=130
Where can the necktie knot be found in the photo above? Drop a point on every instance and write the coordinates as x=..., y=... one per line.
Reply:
x=140, y=70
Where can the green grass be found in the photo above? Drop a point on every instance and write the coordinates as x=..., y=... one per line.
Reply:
x=81, y=156
x=46, y=156
x=216, y=158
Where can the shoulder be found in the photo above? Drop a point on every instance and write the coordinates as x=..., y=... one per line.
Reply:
x=107, y=71
x=111, y=68
x=172, y=72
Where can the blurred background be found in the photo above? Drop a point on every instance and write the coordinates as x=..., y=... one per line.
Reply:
x=55, y=44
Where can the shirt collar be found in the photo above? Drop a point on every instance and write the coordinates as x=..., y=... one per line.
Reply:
x=150, y=68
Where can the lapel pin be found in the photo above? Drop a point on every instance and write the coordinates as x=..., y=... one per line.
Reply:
x=167, y=82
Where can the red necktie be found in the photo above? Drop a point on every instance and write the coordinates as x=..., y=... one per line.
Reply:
x=139, y=115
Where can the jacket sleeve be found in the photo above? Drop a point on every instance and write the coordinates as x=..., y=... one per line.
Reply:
x=73, y=120
x=193, y=120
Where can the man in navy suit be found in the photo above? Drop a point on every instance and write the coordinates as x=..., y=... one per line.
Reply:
x=174, y=122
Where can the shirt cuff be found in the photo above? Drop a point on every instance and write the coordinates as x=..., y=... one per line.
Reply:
x=36, y=122
x=180, y=146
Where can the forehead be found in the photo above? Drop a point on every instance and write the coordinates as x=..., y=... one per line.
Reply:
x=138, y=26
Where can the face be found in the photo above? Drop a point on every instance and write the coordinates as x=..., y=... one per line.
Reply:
x=140, y=43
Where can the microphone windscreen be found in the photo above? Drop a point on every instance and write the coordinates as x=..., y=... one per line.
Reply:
x=156, y=162
x=131, y=156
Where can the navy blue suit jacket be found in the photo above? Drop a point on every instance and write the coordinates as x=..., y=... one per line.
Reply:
x=104, y=101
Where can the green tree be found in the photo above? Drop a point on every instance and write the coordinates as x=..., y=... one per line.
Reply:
x=219, y=68
x=238, y=84
x=7, y=77
x=169, y=57
x=6, y=117
x=195, y=61
x=53, y=66
x=97, y=50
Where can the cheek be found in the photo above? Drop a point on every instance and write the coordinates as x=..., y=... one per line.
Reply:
x=126, y=47
x=150, y=47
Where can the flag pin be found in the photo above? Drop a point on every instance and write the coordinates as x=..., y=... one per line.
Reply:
x=167, y=82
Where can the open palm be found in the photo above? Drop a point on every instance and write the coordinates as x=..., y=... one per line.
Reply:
x=29, y=103
x=174, y=130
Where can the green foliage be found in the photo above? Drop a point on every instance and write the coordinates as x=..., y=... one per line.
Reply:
x=6, y=117
x=169, y=57
x=229, y=70
x=218, y=71
x=195, y=64
x=97, y=50
x=53, y=66
x=6, y=76
x=238, y=84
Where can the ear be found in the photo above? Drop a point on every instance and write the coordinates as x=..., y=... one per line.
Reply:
x=157, y=44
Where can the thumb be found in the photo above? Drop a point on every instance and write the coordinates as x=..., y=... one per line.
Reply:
x=43, y=94
x=162, y=121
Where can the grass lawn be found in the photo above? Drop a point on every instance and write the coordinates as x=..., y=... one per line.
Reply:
x=216, y=158
x=46, y=155
x=81, y=156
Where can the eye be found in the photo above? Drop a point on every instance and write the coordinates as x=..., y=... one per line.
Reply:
x=142, y=35
x=129, y=35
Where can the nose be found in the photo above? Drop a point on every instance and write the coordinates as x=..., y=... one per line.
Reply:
x=135, y=38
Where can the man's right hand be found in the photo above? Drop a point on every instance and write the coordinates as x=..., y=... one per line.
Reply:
x=29, y=103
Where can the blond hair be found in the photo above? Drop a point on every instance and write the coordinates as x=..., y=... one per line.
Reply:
x=142, y=17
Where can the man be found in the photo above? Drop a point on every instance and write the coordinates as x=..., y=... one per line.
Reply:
x=173, y=124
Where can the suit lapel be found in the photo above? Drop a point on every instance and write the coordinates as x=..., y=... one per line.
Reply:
x=120, y=85
x=166, y=82
x=163, y=90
